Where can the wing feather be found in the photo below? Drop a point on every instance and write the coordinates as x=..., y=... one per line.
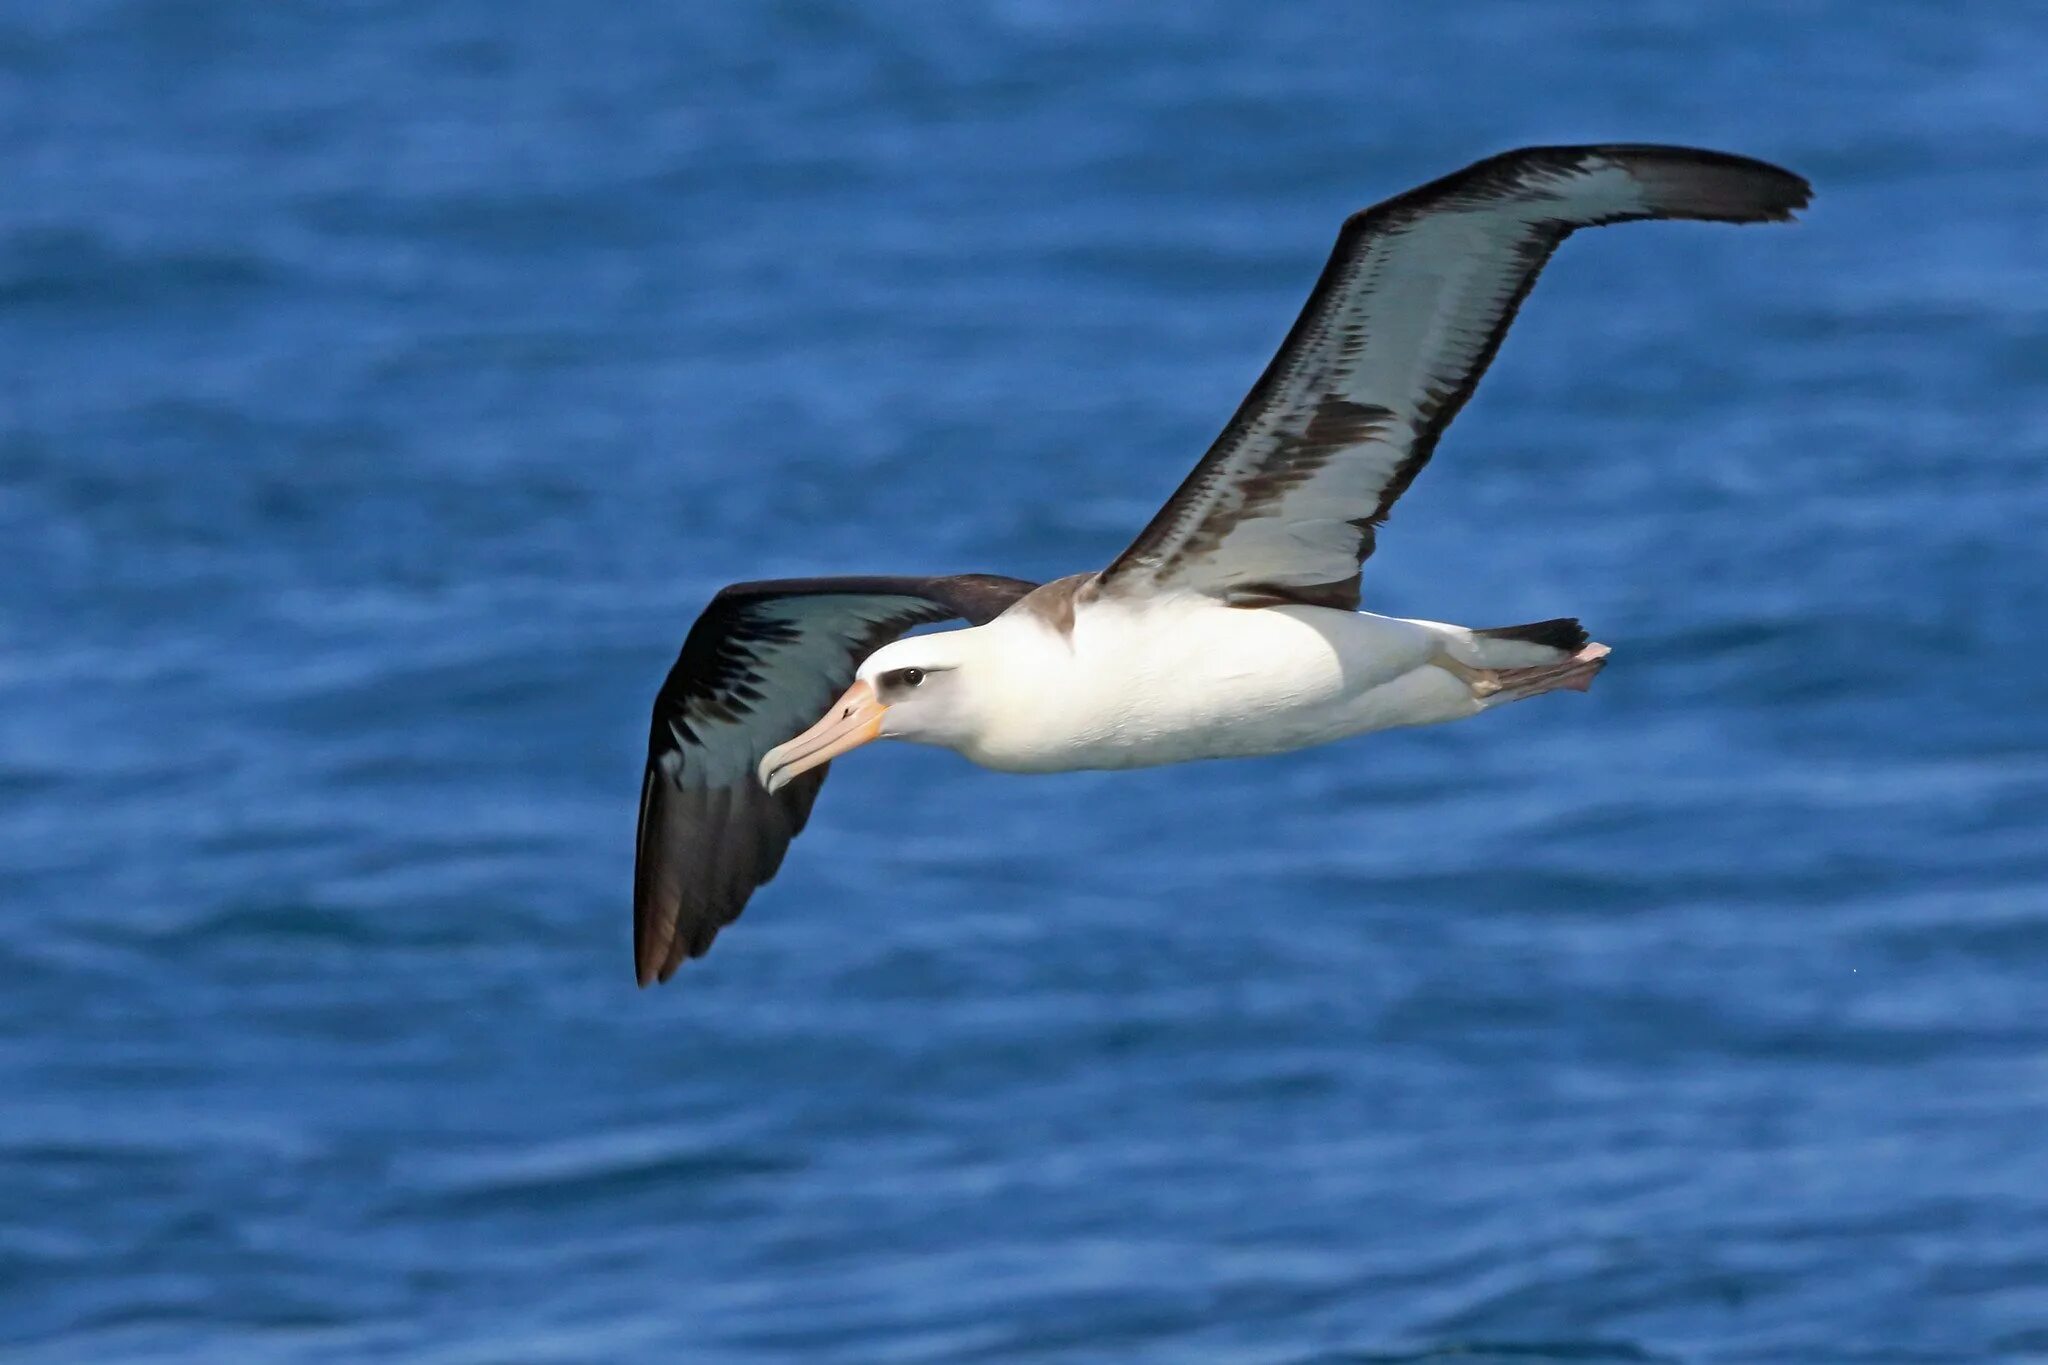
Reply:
x=761, y=662
x=1408, y=313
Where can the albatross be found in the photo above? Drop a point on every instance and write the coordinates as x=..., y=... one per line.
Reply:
x=1231, y=626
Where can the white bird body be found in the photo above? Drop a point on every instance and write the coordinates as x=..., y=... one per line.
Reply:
x=1229, y=628
x=1144, y=681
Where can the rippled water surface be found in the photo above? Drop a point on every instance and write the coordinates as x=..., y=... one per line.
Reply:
x=383, y=387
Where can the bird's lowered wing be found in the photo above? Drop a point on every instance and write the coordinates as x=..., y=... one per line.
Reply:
x=758, y=666
x=1404, y=320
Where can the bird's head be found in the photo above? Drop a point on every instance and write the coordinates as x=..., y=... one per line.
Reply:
x=919, y=689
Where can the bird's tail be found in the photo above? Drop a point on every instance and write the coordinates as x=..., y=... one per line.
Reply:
x=1527, y=661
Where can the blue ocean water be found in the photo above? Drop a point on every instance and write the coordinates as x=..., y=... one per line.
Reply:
x=384, y=387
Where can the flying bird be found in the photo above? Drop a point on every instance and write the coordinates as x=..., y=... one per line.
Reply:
x=1230, y=627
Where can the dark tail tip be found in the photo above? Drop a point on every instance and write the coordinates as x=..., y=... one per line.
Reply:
x=1561, y=633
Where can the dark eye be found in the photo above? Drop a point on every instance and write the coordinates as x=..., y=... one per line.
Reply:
x=910, y=677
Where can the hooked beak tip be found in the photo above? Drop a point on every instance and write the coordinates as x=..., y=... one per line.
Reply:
x=850, y=722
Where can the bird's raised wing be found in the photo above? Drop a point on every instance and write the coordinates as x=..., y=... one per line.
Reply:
x=757, y=667
x=1406, y=317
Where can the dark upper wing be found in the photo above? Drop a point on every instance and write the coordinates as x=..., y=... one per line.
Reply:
x=1405, y=319
x=761, y=663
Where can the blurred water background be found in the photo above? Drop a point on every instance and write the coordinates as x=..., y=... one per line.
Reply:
x=384, y=386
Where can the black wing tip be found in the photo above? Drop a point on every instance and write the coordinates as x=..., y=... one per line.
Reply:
x=662, y=943
x=1698, y=182
x=675, y=914
x=655, y=967
x=1695, y=182
x=656, y=928
x=1678, y=182
x=659, y=948
x=684, y=894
